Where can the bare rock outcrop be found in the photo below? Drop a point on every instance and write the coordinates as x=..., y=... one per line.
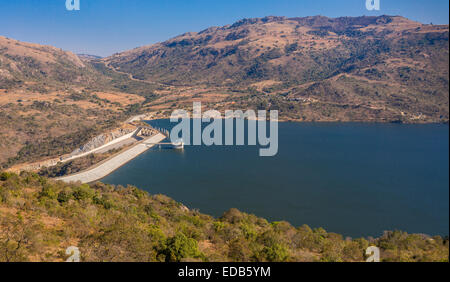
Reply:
x=101, y=140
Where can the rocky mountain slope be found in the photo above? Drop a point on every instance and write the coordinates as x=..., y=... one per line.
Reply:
x=316, y=68
x=52, y=102
x=28, y=64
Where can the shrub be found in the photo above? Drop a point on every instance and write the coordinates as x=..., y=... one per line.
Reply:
x=47, y=192
x=238, y=251
x=275, y=253
x=218, y=226
x=5, y=176
x=102, y=201
x=83, y=192
x=64, y=196
x=352, y=251
x=233, y=216
x=138, y=193
x=249, y=231
x=180, y=247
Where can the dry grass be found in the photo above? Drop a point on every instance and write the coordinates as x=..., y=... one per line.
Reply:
x=121, y=98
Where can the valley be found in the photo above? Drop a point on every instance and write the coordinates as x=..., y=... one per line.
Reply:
x=313, y=69
x=342, y=154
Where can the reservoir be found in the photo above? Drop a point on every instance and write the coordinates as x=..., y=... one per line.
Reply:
x=349, y=178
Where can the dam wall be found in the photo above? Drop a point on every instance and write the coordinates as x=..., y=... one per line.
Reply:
x=114, y=163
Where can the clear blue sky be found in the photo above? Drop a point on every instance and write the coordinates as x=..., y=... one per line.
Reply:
x=103, y=27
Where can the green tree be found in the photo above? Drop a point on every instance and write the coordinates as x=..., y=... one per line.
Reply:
x=180, y=247
x=275, y=253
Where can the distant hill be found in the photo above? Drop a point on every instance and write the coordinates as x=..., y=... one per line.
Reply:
x=88, y=57
x=29, y=64
x=352, y=69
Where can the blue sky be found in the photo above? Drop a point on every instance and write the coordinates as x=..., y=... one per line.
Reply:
x=103, y=27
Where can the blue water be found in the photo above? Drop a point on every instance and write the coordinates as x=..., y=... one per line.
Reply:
x=352, y=179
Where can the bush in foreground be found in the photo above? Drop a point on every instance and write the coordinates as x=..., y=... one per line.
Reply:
x=40, y=218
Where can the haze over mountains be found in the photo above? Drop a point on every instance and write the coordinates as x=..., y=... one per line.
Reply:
x=384, y=69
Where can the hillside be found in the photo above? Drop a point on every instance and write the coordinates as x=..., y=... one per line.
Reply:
x=40, y=218
x=385, y=68
x=52, y=102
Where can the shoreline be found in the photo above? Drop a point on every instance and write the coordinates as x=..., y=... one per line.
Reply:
x=292, y=120
x=149, y=116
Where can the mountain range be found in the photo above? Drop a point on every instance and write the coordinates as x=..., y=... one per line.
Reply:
x=369, y=69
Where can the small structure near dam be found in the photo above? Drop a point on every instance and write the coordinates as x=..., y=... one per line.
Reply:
x=174, y=145
x=146, y=132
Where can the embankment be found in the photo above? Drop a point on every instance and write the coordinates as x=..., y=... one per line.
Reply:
x=114, y=163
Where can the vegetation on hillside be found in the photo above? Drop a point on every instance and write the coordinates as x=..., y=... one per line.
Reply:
x=47, y=129
x=40, y=218
x=383, y=69
x=51, y=102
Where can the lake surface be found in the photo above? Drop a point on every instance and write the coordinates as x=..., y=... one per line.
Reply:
x=352, y=179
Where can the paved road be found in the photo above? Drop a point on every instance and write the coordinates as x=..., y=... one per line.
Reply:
x=114, y=163
x=118, y=145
